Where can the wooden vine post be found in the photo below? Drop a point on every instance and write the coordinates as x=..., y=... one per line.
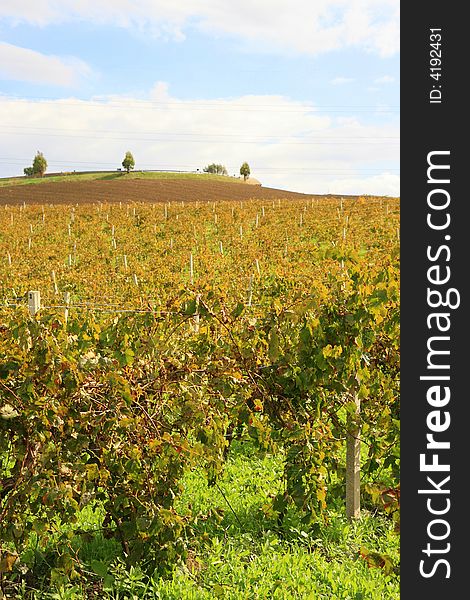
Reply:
x=66, y=306
x=34, y=302
x=353, y=463
x=196, y=314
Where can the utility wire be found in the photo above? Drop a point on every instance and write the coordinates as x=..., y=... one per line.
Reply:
x=199, y=134
x=223, y=105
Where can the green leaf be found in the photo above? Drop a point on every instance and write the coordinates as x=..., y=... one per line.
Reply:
x=238, y=310
x=108, y=583
x=190, y=307
x=99, y=567
x=273, y=349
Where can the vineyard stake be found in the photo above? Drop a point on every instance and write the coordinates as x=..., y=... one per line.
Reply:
x=67, y=304
x=191, y=268
x=54, y=283
x=196, y=314
x=34, y=302
x=353, y=464
x=250, y=290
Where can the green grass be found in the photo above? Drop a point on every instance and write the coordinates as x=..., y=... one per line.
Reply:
x=107, y=176
x=238, y=551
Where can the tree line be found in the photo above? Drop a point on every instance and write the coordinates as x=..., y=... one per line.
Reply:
x=39, y=166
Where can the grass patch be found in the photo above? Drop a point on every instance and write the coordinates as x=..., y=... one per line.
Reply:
x=108, y=176
x=236, y=550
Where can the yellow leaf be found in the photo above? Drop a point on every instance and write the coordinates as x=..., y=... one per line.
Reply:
x=92, y=471
x=7, y=562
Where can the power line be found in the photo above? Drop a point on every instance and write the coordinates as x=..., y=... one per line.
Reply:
x=206, y=105
x=197, y=141
x=262, y=137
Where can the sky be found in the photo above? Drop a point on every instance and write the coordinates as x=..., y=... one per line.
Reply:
x=306, y=91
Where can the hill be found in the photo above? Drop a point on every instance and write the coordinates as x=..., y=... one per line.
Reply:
x=75, y=176
x=135, y=187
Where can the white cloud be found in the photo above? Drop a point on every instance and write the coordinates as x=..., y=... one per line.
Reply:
x=286, y=143
x=384, y=79
x=23, y=64
x=299, y=26
x=341, y=80
x=383, y=184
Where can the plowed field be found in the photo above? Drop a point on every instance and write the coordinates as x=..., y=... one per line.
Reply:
x=137, y=190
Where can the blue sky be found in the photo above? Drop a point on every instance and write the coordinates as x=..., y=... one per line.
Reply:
x=307, y=92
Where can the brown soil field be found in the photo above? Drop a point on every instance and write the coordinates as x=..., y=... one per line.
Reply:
x=139, y=190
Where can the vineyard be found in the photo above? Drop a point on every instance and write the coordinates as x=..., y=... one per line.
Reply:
x=170, y=340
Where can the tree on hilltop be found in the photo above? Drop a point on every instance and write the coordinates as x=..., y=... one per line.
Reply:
x=245, y=170
x=39, y=164
x=128, y=163
x=215, y=169
x=28, y=171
